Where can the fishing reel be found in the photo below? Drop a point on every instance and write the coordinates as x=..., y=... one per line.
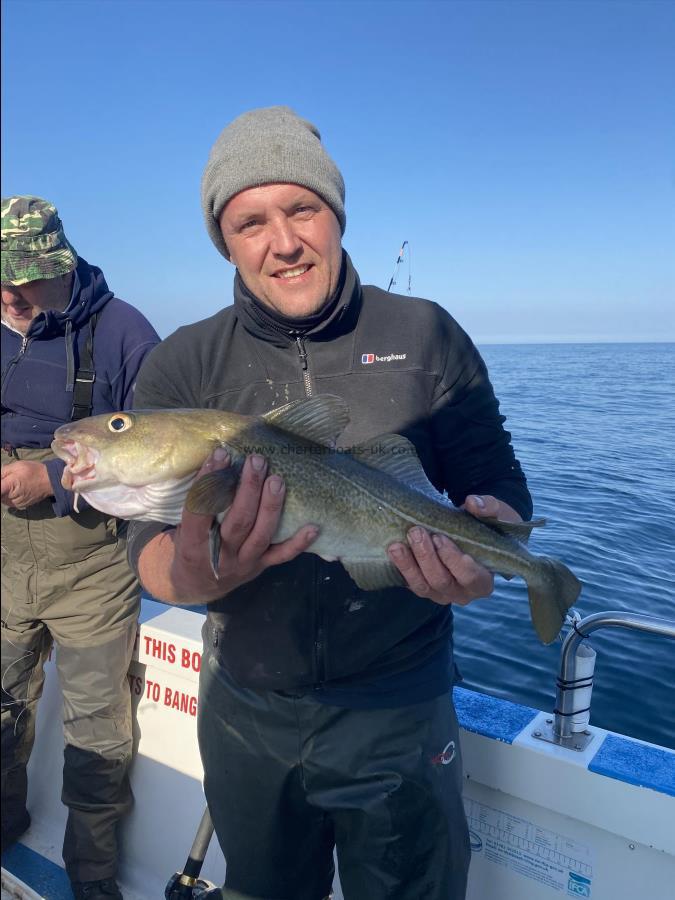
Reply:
x=183, y=887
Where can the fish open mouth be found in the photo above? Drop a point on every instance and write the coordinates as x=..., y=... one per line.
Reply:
x=80, y=463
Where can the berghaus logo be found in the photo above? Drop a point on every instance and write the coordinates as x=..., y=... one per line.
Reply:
x=368, y=358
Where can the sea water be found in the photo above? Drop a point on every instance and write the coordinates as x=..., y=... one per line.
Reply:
x=594, y=428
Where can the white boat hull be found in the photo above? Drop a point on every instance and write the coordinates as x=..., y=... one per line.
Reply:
x=543, y=824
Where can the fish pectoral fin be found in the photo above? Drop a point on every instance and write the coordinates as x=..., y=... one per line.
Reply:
x=318, y=419
x=213, y=493
x=374, y=574
x=397, y=456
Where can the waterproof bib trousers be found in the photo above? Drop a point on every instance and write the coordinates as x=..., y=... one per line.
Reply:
x=65, y=581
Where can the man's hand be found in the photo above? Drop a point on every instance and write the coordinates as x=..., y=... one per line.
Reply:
x=435, y=567
x=246, y=534
x=24, y=483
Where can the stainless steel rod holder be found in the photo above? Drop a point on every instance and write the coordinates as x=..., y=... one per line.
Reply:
x=564, y=700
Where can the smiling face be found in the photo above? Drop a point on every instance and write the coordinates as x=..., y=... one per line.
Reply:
x=286, y=242
x=20, y=305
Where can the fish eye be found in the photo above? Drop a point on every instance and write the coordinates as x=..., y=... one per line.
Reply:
x=119, y=422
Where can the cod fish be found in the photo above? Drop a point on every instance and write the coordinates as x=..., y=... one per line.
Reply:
x=142, y=465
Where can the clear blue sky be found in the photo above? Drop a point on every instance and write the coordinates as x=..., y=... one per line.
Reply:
x=525, y=150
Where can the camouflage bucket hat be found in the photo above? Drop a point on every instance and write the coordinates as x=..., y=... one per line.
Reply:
x=34, y=244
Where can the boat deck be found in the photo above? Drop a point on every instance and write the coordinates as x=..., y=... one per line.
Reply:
x=545, y=821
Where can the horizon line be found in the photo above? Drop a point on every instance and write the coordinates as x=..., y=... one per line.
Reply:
x=547, y=339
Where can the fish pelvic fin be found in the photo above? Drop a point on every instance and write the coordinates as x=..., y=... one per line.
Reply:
x=319, y=419
x=213, y=493
x=215, y=544
x=552, y=592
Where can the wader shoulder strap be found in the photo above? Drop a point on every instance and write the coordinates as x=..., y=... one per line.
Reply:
x=85, y=376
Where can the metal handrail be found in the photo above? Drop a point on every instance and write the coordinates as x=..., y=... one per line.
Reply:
x=564, y=699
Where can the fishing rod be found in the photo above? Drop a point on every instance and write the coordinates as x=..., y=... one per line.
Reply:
x=392, y=281
x=187, y=885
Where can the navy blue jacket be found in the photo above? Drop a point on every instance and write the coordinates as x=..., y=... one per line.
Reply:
x=38, y=368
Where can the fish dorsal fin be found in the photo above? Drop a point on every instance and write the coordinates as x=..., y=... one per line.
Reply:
x=397, y=456
x=318, y=419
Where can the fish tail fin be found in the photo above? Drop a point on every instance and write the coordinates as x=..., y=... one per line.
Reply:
x=552, y=592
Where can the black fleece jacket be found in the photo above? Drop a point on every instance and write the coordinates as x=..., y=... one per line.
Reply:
x=404, y=366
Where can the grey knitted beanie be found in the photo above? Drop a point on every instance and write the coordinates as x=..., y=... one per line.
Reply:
x=266, y=146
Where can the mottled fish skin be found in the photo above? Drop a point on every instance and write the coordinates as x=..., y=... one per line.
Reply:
x=363, y=501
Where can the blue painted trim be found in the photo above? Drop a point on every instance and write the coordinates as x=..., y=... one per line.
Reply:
x=41, y=874
x=635, y=763
x=502, y=720
x=151, y=608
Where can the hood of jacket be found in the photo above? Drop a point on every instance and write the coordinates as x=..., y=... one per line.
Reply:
x=91, y=297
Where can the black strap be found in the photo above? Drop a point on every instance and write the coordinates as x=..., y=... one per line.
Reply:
x=83, y=387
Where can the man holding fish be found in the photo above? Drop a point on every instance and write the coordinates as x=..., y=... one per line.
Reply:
x=325, y=714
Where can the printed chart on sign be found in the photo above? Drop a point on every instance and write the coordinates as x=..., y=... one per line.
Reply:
x=525, y=847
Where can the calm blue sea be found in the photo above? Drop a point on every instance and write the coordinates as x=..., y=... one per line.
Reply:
x=594, y=428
